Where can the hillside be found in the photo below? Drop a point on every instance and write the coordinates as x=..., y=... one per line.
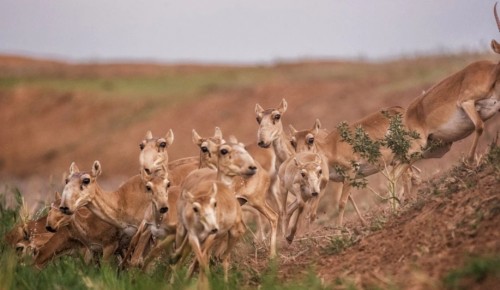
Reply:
x=447, y=236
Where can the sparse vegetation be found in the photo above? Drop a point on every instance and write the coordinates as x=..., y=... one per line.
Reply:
x=339, y=243
x=474, y=272
x=398, y=140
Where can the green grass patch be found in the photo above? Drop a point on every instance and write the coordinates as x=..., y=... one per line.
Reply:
x=338, y=244
x=474, y=272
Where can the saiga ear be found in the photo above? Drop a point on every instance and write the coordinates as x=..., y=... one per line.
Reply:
x=149, y=135
x=188, y=195
x=57, y=195
x=232, y=139
x=73, y=168
x=96, y=168
x=258, y=110
x=169, y=137
x=283, y=106
x=317, y=126
x=292, y=130
x=196, y=138
x=297, y=162
x=218, y=133
x=144, y=176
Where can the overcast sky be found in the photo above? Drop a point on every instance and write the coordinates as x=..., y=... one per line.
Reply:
x=242, y=31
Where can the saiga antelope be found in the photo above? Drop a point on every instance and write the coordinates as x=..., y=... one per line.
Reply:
x=305, y=175
x=29, y=236
x=153, y=148
x=271, y=133
x=340, y=155
x=158, y=225
x=304, y=141
x=124, y=208
x=84, y=229
x=209, y=213
x=455, y=107
x=251, y=188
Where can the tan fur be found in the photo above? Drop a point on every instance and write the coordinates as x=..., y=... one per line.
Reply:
x=455, y=107
x=305, y=175
x=340, y=154
x=305, y=141
x=82, y=229
x=250, y=186
x=28, y=237
x=124, y=208
x=154, y=228
x=209, y=215
x=152, y=150
x=271, y=134
x=156, y=233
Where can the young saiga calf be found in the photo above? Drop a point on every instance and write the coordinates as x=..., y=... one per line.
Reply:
x=305, y=175
x=238, y=170
x=209, y=214
x=84, y=229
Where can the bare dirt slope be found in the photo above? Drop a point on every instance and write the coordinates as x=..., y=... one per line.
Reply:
x=447, y=236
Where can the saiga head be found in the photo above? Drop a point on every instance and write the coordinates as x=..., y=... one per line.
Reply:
x=55, y=218
x=309, y=176
x=208, y=147
x=152, y=148
x=80, y=188
x=157, y=185
x=270, y=126
x=202, y=204
x=303, y=141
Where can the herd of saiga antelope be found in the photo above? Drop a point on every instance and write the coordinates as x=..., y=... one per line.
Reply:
x=195, y=204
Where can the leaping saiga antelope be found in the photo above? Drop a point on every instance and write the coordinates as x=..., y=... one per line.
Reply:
x=455, y=107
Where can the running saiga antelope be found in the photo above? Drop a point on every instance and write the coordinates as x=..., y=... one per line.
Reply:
x=271, y=133
x=305, y=175
x=209, y=214
x=157, y=230
x=455, y=107
x=124, y=208
x=237, y=169
x=153, y=148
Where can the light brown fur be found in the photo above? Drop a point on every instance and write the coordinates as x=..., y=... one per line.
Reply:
x=251, y=187
x=28, y=237
x=153, y=148
x=305, y=175
x=209, y=215
x=124, y=208
x=83, y=229
x=340, y=154
x=457, y=106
